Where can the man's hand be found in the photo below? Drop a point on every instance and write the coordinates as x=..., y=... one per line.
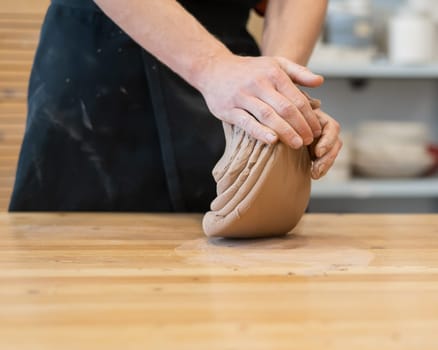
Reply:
x=328, y=146
x=259, y=95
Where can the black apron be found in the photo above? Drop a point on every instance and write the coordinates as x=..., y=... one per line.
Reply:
x=110, y=128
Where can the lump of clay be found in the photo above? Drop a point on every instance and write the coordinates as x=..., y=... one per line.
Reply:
x=262, y=190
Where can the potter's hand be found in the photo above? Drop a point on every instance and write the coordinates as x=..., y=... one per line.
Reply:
x=237, y=89
x=328, y=146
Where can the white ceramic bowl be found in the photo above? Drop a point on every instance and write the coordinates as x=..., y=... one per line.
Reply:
x=393, y=131
x=392, y=160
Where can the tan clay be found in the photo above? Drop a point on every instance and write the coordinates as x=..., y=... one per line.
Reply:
x=262, y=190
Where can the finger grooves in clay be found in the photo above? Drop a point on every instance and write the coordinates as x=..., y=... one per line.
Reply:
x=262, y=190
x=241, y=162
x=267, y=198
x=241, y=189
x=233, y=145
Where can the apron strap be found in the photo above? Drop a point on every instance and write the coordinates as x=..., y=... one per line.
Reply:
x=152, y=69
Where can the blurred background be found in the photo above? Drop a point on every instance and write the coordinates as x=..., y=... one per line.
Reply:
x=380, y=61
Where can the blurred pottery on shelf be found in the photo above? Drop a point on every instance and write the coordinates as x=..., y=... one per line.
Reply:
x=392, y=149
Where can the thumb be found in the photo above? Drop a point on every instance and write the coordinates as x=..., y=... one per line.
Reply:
x=300, y=74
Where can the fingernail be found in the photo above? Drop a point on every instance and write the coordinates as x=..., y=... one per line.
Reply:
x=297, y=142
x=271, y=138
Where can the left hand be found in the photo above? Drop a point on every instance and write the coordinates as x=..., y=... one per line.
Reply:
x=328, y=146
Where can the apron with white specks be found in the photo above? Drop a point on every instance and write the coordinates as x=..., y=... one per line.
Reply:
x=109, y=127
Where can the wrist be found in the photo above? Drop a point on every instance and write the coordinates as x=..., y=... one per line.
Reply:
x=203, y=69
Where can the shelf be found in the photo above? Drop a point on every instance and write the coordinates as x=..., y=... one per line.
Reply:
x=418, y=188
x=376, y=70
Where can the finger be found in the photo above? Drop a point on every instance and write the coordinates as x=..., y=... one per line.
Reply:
x=329, y=135
x=287, y=88
x=266, y=115
x=247, y=122
x=322, y=117
x=314, y=102
x=300, y=74
x=290, y=113
x=322, y=165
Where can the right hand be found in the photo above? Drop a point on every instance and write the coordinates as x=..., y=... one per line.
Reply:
x=259, y=95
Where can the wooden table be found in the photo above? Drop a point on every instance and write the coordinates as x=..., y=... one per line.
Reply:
x=135, y=281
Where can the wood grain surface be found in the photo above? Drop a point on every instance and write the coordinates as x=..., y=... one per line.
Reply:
x=135, y=281
x=20, y=24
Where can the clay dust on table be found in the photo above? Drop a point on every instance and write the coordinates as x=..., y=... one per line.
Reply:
x=299, y=254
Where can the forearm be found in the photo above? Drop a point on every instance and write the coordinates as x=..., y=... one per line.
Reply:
x=166, y=30
x=256, y=93
x=292, y=28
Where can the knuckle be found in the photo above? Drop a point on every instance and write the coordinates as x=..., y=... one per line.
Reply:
x=287, y=110
x=257, y=83
x=300, y=103
x=247, y=124
x=273, y=72
x=283, y=82
x=266, y=114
